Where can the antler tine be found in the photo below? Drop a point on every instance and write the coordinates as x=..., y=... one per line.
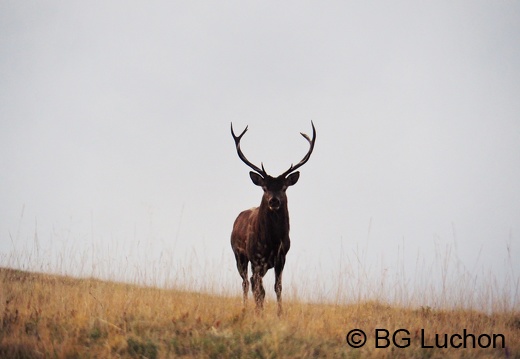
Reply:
x=241, y=155
x=308, y=155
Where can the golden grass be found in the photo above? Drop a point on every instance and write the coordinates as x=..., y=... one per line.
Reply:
x=46, y=316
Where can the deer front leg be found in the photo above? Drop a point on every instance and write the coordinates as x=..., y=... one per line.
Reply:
x=278, y=269
x=258, y=287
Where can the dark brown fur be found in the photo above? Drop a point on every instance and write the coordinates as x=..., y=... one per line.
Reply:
x=261, y=235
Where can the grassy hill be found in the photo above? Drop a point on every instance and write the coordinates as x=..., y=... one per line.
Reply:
x=46, y=316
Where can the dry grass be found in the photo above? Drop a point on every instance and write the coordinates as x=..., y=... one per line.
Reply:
x=46, y=316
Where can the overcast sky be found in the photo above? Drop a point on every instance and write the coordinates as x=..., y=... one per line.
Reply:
x=116, y=156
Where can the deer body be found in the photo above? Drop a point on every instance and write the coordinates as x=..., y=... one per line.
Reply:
x=261, y=235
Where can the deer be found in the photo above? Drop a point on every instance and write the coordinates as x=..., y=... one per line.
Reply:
x=260, y=235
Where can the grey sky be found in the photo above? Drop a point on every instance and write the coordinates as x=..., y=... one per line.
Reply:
x=115, y=143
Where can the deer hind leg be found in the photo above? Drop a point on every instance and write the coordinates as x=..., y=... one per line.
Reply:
x=242, y=263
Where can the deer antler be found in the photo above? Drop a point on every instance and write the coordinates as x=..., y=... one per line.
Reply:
x=241, y=155
x=307, y=156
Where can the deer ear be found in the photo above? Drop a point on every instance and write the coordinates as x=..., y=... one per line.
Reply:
x=292, y=178
x=256, y=178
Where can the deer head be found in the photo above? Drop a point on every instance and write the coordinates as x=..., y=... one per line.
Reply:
x=274, y=187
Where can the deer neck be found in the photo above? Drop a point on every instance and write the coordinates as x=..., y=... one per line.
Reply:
x=274, y=223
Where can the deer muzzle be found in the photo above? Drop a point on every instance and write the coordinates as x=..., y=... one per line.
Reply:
x=274, y=203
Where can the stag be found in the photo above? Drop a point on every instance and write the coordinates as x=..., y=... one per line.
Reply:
x=261, y=235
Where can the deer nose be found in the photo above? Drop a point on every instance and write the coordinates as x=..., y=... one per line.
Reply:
x=274, y=203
